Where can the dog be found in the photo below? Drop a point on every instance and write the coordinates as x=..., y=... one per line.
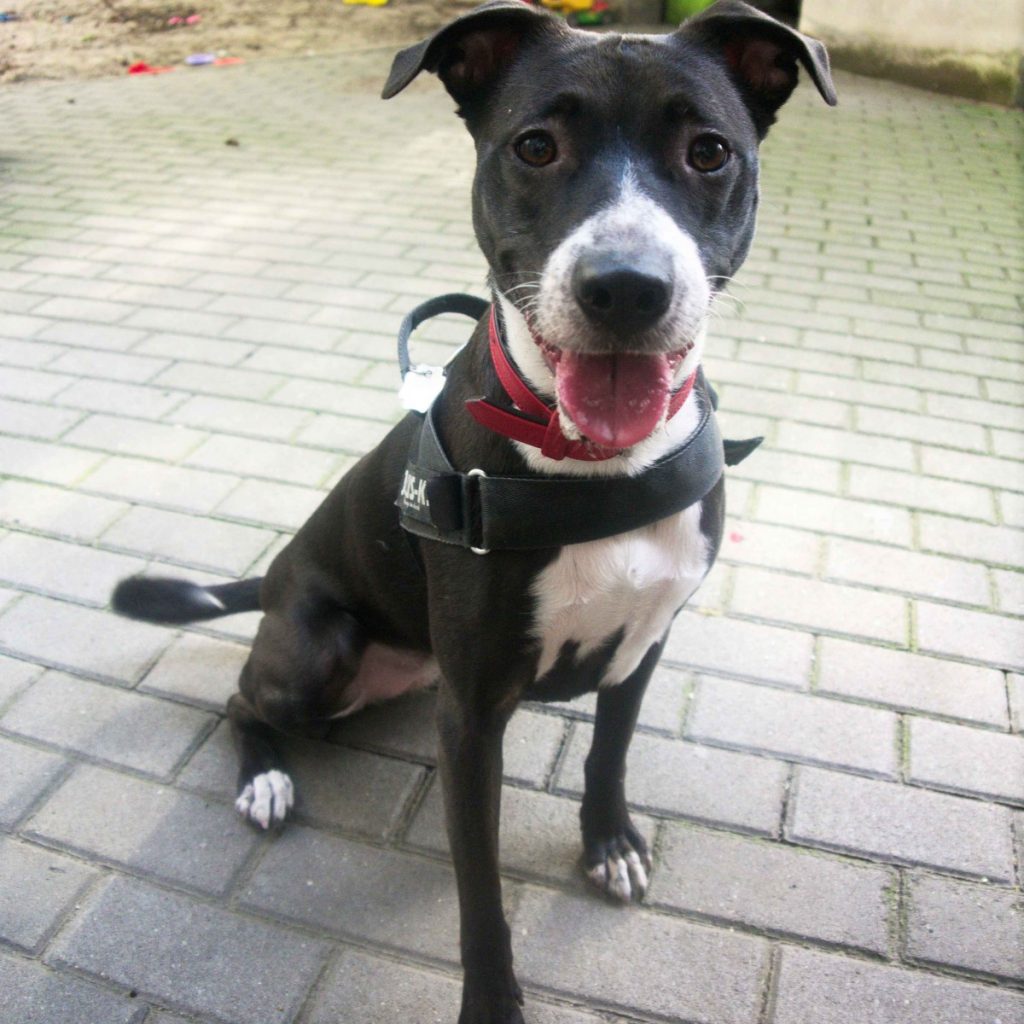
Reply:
x=524, y=539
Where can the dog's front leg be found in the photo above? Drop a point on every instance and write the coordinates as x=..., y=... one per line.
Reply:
x=470, y=760
x=615, y=854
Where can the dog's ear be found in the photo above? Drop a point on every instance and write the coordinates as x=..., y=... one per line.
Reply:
x=762, y=55
x=470, y=51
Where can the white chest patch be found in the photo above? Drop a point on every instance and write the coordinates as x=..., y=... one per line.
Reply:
x=634, y=582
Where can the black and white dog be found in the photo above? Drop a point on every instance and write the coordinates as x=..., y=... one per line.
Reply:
x=615, y=194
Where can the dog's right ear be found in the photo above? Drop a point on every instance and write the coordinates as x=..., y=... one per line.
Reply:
x=469, y=52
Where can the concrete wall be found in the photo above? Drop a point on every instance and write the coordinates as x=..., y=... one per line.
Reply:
x=961, y=46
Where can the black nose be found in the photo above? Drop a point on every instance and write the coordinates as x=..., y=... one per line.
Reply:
x=620, y=294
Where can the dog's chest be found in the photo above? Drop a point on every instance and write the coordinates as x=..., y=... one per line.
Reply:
x=625, y=588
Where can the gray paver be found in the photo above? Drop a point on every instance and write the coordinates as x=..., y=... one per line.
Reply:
x=689, y=971
x=900, y=824
x=35, y=995
x=152, y=829
x=816, y=988
x=349, y=889
x=107, y=723
x=769, y=885
x=27, y=773
x=39, y=888
x=197, y=668
x=794, y=725
x=903, y=680
x=958, y=924
x=68, y=635
x=210, y=973
x=973, y=761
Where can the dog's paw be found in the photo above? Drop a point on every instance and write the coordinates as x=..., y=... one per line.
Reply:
x=619, y=866
x=267, y=799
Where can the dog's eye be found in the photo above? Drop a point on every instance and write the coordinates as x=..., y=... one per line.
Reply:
x=708, y=153
x=536, y=149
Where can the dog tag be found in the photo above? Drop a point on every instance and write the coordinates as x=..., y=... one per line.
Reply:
x=420, y=386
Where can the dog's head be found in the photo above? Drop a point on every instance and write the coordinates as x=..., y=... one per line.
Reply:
x=616, y=188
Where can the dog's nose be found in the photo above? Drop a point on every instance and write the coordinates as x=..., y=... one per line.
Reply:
x=620, y=295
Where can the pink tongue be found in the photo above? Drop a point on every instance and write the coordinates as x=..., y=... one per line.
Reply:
x=614, y=400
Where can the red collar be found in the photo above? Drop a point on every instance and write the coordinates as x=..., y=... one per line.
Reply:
x=537, y=423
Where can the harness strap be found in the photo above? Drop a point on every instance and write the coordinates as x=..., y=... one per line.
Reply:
x=485, y=513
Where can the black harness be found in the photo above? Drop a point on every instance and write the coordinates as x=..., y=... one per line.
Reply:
x=507, y=513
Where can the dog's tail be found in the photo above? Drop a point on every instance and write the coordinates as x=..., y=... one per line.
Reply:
x=173, y=601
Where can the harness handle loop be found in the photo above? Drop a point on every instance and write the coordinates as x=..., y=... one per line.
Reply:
x=454, y=302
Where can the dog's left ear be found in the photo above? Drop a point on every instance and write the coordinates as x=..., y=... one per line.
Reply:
x=468, y=53
x=762, y=55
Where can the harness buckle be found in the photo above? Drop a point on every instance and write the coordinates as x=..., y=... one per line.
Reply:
x=477, y=473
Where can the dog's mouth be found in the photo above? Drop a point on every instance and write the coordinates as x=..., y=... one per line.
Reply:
x=615, y=400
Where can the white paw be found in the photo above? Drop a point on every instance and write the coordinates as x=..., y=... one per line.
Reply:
x=622, y=874
x=268, y=798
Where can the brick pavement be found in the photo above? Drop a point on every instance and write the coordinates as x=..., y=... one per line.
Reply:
x=196, y=339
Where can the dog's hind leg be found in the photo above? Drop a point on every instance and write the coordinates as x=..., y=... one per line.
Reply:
x=615, y=854
x=294, y=682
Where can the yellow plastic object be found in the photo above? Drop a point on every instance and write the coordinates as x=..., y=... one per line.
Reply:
x=568, y=6
x=366, y=3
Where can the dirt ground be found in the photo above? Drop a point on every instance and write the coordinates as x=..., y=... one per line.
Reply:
x=64, y=39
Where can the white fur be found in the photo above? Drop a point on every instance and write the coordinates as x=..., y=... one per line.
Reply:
x=634, y=582
x=269, y=797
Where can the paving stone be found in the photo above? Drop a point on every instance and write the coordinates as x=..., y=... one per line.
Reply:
x=355, y=891
x=27, y=773
x=280, y=506
x=972, y=541
x=42, y=422
x=285, y=462
x=884, y=524
x=53, y=510
x=819, y=606
x=772, y=886
x=32, y=385
x=919, y=492
x=995, y=639
x=774, y=547
x=39, y=889
x=958, y=924
x=190, y=540
x=105, y=722
x=794, y=725
x=696, y=782
x=134, y=437
x=210, y=973
x=15, y=675
x=690, y=972
x=70, y=636
x=1015, y=688
x=733, y=647
x=34, y=994
x=240, y=417
x=911, y=682
x=907, y=571
x=86, y=574
x=200, y=669
x=901, y=824
x=47, y=463
x=964, y=760
x=371, y=990
x=819, y=988
x=175, y=486
x=117, y=397
x=353, y=790
x=152, y=829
